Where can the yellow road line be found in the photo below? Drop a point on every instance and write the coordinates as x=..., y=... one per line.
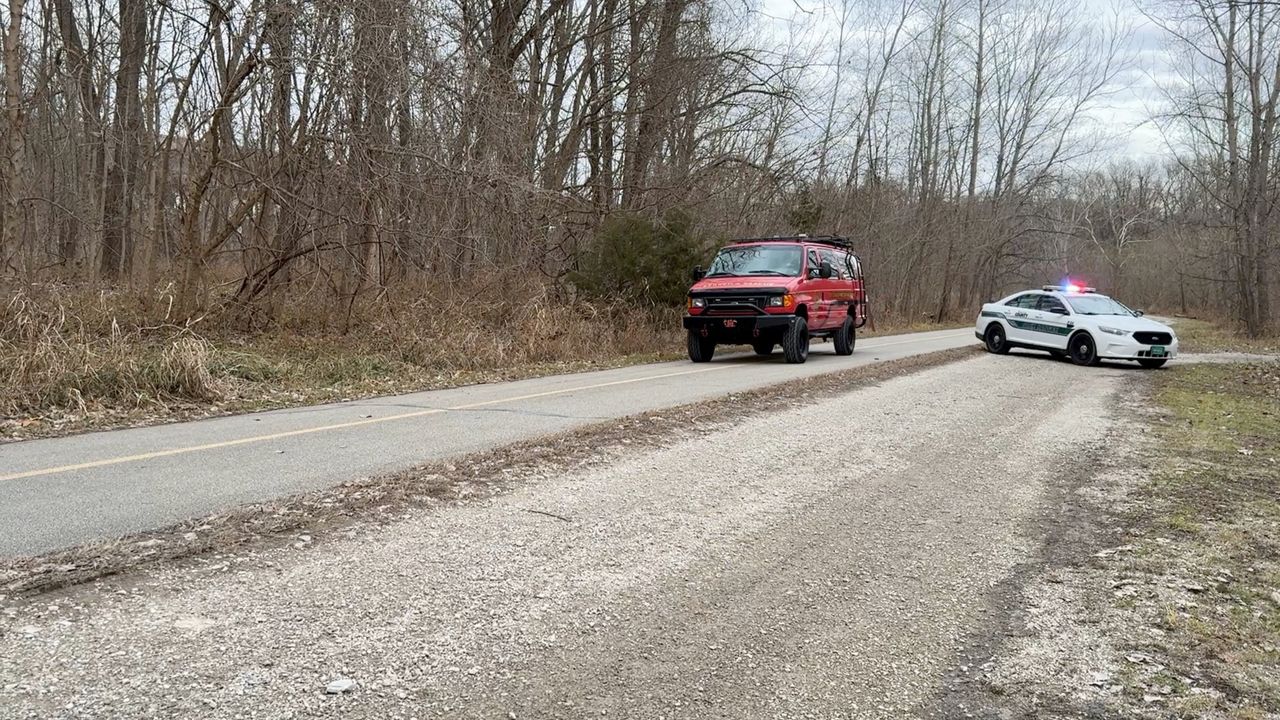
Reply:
x=339, y=426
x=372, y=421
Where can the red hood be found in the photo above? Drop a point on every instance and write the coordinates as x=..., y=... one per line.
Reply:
x=733, y=283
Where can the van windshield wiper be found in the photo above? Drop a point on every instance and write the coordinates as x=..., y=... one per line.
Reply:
x=722, y=274
x=769, y=272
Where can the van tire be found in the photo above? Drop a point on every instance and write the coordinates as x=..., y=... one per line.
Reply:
x=795, y=341
x=701, y=349
x=763, y=347
x=845, y=338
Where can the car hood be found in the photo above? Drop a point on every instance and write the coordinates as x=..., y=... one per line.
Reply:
x=1130, y=323
x=745, y=283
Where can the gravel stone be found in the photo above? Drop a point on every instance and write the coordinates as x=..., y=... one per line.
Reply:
x=826, y=561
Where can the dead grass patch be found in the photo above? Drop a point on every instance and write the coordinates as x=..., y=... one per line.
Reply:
x=1207, y=525
x=73, y=360
x=1205, y=336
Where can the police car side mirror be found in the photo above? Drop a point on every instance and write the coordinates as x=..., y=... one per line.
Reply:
x=824, y=270
x=1139, y=313
x=698, y=273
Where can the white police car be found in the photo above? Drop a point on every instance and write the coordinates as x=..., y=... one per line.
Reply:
x=1070, y=321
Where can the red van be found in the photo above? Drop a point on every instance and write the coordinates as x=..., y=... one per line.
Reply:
x=766, y=292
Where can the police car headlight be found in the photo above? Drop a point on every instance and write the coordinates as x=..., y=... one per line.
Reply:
x=697, y=302
x=1112, y=331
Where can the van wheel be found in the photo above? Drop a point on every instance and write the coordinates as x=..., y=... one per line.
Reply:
x=845, y=338
x=763, y=348
x=700, y=348
x=1152, y=363
x=1083, y=350
x=795, y=341
x=995, y=339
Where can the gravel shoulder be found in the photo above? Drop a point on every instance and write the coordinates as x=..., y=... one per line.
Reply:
x=758, y=570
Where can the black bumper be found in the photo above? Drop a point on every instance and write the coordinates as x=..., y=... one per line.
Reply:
x=735, y=328
x=978, y=335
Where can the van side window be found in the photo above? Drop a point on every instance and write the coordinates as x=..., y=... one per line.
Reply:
x=842, y=267
x=814, y=263
x=830, y=259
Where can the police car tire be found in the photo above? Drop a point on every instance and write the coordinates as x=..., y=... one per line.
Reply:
x=1076, y=348
x=845, y=338
x=999, y=347
x=795, y=341
x=1152, y=363
x=763, y=348
x=700, y=349
x=1059, y=355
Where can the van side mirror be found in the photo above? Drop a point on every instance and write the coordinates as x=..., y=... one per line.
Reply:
x=698, y=273
x=824, y=270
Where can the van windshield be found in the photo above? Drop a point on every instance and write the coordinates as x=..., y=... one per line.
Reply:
x=757, y=260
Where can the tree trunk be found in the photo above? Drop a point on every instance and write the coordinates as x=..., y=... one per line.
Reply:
x=117, y=206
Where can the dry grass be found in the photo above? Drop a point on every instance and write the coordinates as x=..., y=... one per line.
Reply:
x=74, y=359
x=1205, y=336
x=1208, y=520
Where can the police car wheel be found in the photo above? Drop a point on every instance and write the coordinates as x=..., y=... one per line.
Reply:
x=1082, y=349
x=995, y=340
x=795, y=342
x=1152, y=363
x=763, y=348
x=845, y=338
x=701, y=349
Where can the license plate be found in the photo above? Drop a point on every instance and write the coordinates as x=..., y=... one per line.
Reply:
x=731, y=323
x=1157, y=351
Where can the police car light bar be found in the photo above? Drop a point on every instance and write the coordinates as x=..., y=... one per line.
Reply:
x=1073, y=288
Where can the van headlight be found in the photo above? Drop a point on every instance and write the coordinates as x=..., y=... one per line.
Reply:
x=1112, y=331
x=781, y=301
x=697, y=302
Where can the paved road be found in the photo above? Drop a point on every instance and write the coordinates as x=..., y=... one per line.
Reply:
x=60, y=492
x=794, y=582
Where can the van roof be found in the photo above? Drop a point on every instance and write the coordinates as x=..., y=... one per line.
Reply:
x=832, y=240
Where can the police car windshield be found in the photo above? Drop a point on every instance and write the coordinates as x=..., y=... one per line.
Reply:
x=757, y=260
x=1097, y=305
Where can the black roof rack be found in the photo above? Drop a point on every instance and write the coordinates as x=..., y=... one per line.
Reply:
x=833, y=240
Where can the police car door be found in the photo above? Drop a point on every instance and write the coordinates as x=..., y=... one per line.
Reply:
x=1018, y=314
x=1056, y=322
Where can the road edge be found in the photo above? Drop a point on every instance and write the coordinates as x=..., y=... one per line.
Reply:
x=383, y=499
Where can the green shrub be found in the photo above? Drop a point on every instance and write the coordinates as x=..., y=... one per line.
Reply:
x=642, y=260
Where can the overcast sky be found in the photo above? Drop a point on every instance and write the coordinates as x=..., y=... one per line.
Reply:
x=1124, y=114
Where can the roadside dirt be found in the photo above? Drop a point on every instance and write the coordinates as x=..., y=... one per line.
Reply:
x=840, y=558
